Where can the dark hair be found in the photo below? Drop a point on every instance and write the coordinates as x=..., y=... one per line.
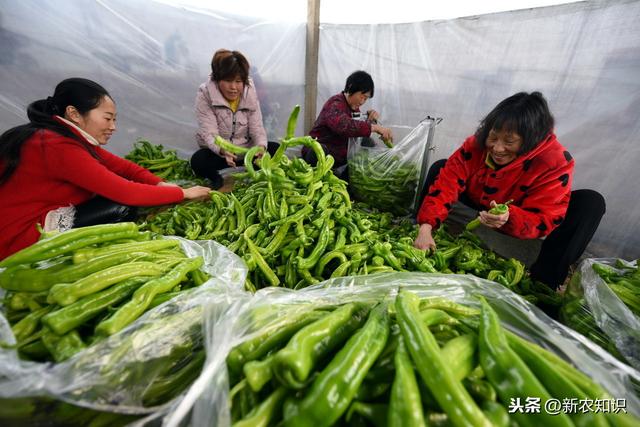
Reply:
x=526, y=114
x=83, y=94
x=227, y=64
x=359, y=81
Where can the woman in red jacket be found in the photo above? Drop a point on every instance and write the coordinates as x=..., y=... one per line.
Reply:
x=514, y=155
x=54, y=172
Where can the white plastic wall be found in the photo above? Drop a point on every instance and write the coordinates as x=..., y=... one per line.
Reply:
x=585, y=58
x=150, y=56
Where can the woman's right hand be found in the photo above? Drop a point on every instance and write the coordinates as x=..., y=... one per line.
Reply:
x=424, y=240
x=385, y=133
x=196, y=193
x=230, y=158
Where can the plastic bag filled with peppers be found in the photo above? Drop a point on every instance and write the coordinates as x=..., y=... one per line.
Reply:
x=602, y=302
x=122, y=376
x=355, y=352
x=390, y=178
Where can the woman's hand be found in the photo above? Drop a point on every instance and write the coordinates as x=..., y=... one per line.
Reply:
x=491, y=220
x=230, y=158
x=385, y=133
x=166, y=184
x=424, y=240
x=373, y=116
x=196, y=193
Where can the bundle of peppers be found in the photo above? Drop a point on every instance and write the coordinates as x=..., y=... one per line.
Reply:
x=624, y=280
x=295, y=225
x=385, y=181
x=408, y=362
x=71, y=289
x=163, y=163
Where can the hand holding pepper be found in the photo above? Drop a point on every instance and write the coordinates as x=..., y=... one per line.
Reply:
x=196, y=193
x=424, y=240
x=230, y=158
x=496, y=217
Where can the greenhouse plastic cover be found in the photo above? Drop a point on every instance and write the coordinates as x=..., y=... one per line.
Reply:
x=113, y=374
x=584, y=57
x=206, y=403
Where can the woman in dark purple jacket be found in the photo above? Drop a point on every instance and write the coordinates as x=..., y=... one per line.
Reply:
x=336, y=122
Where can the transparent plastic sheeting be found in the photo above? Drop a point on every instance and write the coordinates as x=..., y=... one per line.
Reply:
x=390, y=179
x=113, y=374
x=619, y=324
x=207, y=400
x=584, y=57
x=150, y=56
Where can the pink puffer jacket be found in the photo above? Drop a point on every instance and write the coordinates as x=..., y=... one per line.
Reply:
x=214, y=115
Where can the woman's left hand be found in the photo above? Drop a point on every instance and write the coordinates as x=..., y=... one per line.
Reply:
x=491, y=220
x=167, y=184
x=372, y=116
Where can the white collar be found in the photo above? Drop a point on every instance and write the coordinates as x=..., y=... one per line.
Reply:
x=86, y=136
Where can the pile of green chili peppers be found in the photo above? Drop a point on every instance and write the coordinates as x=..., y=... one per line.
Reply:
x=163, y=163
x=295, y=225
x=71, y=289
x=407, y=362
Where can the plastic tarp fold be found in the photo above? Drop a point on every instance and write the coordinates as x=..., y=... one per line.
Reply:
x=113, y=374
x=208, y=404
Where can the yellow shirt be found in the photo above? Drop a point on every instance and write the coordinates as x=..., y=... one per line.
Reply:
x=234, y=105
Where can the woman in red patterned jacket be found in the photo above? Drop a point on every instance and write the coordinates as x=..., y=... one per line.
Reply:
x=514, y=155
x=336, y=123
x=54, y=172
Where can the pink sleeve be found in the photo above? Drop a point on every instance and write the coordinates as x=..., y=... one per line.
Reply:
x=207, y=121
x=256, y=127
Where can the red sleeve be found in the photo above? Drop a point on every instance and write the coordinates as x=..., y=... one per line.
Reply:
x=544, y=207
x=69, y=161
x=339, y=121
x=446, y=189
x=126, y=168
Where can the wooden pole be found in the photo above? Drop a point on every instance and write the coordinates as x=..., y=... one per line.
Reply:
x=311, y=64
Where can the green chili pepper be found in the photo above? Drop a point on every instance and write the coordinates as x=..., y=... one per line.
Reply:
x=332, y=392
x=434, y=370
x=509, y=373
x=68, y=293
x=271, y=336
x=262, y=415
x=70, y=317
x=498, y=209
x=293, y=363
x=143, y=296
x=70, y=241
x=405, y=407
x=229, y=146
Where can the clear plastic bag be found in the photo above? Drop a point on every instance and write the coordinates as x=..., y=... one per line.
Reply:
x=391, y=179
x=594, y=310
x=208, y=403
x=116, y=374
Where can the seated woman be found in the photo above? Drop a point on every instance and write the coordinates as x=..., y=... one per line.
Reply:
x=336, y=122
x=227, y=105
x=54, y=172
x=514, y=155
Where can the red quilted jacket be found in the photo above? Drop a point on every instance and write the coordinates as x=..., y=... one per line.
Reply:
x=538, y=182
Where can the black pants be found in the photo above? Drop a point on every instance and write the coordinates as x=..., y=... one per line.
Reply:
x=207, y=164
x=566, y=243
x=102, y=211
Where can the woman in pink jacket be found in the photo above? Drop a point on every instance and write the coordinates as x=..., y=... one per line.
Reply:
x=227, y=105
